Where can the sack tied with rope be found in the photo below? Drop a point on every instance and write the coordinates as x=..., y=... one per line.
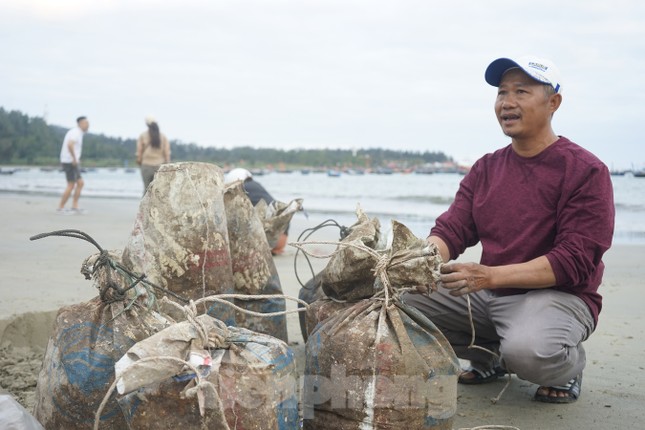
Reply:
x=87, y=339
x=409, y=267
x=275, y=217
x=399, y=371
x=180, y=235
x=201, y=374
x=349, y=274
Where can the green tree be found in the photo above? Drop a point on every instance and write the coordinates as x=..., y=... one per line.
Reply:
x=25, y=140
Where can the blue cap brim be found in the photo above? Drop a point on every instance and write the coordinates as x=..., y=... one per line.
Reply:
x=496, y=70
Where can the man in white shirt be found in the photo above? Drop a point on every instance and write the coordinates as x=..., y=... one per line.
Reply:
x=70, y=157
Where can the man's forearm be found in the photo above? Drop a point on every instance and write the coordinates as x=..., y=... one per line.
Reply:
x=536, y=273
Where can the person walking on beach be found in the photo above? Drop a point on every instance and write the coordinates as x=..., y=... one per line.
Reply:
x=70, y=158
x=256, y=192
x=153, y=150
x=542, y=209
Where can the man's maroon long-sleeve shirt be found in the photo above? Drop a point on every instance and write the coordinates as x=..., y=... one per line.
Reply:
x=558, y=203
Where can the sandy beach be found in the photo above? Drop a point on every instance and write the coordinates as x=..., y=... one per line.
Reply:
x=40, y=276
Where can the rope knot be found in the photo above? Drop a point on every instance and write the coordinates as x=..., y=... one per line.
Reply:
x=380, y=267
x=380, y=271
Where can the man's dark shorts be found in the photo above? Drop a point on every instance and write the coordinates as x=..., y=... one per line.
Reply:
x=71, y=172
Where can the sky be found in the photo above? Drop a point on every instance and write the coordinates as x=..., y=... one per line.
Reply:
x=349, y=74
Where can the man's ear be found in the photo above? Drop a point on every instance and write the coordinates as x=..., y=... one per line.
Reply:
x=554, y=102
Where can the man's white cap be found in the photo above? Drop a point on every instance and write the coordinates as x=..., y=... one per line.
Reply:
x=237, y=174
x=540, y=69
x=150, y=120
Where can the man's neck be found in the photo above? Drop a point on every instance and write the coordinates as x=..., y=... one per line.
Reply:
x=532, y=147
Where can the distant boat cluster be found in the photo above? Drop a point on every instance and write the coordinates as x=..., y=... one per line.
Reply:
x=635, y=173
x=425, y=169
x=87, y=169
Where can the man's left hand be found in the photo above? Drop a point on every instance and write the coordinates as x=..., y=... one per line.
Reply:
x=465, y=278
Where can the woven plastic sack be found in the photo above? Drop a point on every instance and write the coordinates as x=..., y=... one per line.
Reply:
x=276, y=217
x=321, y=310
x=349, y=273
x=380, y=364
x=180, y=236
x=246, y=380
x=379, y=367
x=87, y=339
x=254, y=271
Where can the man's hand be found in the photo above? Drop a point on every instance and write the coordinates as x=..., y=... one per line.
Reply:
x=465, y=278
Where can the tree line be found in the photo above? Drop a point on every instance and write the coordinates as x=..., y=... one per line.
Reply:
x=28, y=140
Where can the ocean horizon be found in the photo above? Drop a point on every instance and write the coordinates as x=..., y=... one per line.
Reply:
x=415, y=200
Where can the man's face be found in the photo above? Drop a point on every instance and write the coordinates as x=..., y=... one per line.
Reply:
x=84, y=125
x=523, y=107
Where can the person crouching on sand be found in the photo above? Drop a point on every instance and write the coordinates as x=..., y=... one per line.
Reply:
x=543, y=209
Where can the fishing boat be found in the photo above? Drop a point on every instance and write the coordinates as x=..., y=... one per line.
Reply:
x=383, y=171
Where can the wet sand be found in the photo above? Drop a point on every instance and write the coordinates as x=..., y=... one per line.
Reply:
x=38, y=277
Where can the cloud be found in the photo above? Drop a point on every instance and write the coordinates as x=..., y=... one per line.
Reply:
x=322, y=73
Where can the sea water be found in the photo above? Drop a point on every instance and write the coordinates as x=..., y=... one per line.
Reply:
x=413, y=199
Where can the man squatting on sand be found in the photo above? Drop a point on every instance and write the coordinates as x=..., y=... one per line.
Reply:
x=543, y=210
x=70, y=158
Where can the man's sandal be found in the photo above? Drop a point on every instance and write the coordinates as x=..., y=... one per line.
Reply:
x=571, y=388
x=481, y=376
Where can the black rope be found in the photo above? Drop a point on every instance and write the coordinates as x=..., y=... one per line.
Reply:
x=143, y=280
x=118, y=293
x=306, y=233
x=77, y=234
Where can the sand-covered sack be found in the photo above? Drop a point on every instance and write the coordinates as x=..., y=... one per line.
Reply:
x=410, y=262
x=380, y=366
x=349, y=274
x=180, y=237
x=379, y=363
x=254, y=271
x=237, y=379
x=320, y=310
x=87, y=339
x=276, y=217
x=250, y=252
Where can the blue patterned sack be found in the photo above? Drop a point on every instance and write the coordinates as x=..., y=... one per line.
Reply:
x=247, y=380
